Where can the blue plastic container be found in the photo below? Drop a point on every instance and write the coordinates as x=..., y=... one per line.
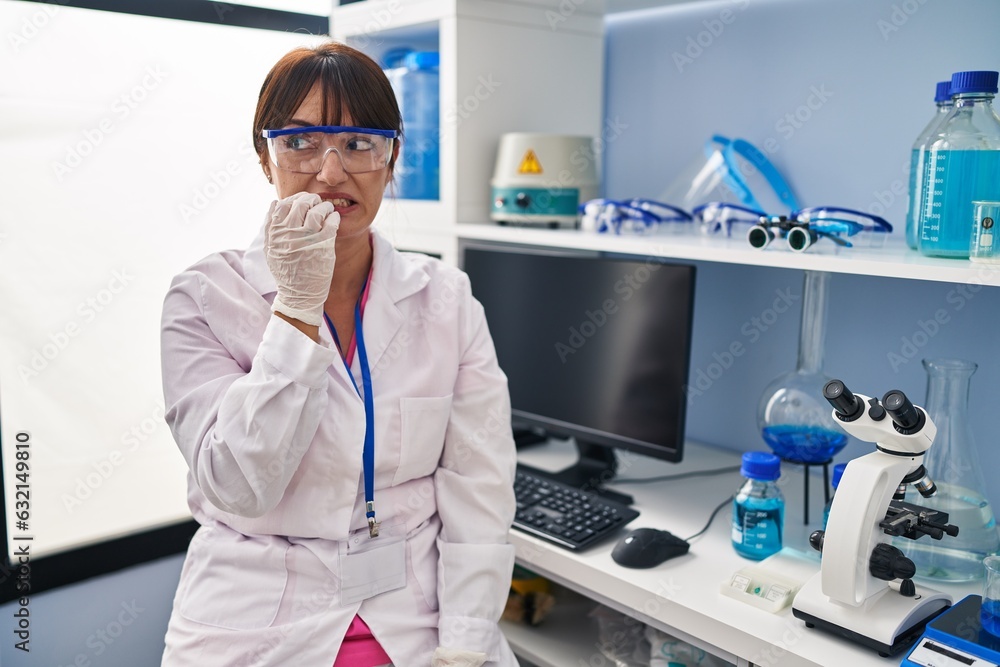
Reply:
x=417, y=91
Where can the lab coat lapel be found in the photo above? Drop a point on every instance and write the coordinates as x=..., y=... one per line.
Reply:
x=393, y=279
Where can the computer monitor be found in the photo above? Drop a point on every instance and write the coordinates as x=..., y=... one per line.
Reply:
x=595, y=347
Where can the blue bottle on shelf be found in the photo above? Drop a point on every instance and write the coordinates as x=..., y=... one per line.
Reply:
x=758, y=507
x=962, y=165
x=838, y=472
x=417, y=90
x=918, y=155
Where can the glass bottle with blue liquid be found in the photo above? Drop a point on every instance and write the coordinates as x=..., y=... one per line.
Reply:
x=838, y=473
x=962, y=165
x=758, y=507
x=918, y=156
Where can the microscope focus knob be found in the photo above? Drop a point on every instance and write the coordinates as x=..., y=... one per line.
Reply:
x=816, y=540
x=888, y=563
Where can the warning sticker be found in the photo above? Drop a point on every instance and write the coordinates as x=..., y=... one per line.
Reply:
x=530, y=164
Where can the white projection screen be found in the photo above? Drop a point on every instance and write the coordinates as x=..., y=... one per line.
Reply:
x=125, y=156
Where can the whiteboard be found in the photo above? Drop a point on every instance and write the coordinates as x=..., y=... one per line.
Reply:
x=125, y=156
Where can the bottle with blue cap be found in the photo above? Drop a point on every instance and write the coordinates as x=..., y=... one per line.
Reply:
x=918, y=155
x=962, y=165
x=838, y=472
x=758, y=507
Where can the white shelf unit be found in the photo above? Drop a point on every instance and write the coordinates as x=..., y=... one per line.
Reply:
x=892, y=259
x=527, y=66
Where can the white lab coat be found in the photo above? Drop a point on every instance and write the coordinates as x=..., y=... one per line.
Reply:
x=272, y=431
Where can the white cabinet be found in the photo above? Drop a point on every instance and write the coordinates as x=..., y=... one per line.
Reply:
x=529, y=66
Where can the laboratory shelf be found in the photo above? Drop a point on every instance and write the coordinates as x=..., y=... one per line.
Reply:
x=565, y=637
x=890, y=259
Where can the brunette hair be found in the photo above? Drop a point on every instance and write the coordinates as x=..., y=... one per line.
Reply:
x=351, y=82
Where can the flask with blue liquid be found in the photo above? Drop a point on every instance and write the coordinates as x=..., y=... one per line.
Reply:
x=838, y=473
x=918, y=155
x=758, y=507
x=962, y=165
x=416, y=83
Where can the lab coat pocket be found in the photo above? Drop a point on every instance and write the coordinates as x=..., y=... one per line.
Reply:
x=423, y=555
x=233, y=581
x=423, y=423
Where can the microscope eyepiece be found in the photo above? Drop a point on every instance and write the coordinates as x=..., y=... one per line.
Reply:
x=846, y=404
x=906, y=418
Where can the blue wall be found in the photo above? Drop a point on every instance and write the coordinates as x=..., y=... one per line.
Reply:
x=835, y=93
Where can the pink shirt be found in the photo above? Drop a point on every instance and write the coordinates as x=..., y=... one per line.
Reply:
x=360, y=648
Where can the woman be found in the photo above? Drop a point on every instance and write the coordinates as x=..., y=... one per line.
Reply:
x=354, y=485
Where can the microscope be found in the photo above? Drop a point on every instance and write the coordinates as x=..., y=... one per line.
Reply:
x=864, y=590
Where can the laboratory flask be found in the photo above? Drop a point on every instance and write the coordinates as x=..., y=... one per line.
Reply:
x=953, y=463
x=962, y=164
x=758, y=507
x=918, y=154
x=417, y=86
x=794, y=418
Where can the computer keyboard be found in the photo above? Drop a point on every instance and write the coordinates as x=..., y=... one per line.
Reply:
x=563, y=515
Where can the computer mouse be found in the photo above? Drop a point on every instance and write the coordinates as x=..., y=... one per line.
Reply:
x=648, y=547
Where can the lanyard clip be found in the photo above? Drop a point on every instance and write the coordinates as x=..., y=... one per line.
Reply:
x=372, y=523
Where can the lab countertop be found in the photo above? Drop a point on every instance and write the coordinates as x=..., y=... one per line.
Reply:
x=681, y=596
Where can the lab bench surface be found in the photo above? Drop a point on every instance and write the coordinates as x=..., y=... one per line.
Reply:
x=681, y=596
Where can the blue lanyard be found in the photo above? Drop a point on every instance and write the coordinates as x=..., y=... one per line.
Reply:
x=368, y=455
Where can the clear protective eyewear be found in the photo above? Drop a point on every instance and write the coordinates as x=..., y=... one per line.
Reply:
x=800, y=229
x=304, y=149
x=635, y=215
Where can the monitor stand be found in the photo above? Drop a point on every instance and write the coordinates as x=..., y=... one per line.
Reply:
x=596, y=466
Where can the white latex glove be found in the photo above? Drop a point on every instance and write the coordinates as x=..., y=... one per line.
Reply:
x=449, y=657
x=299, y=240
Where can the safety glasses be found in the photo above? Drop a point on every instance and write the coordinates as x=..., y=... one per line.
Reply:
x=634, y=215
x=304, y=150
x=800, y=229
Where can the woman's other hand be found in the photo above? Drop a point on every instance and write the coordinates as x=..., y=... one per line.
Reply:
x=300, y=238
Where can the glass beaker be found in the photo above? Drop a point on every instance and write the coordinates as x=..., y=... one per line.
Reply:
x=793, y=416
x=990, y=613
x=953, y=463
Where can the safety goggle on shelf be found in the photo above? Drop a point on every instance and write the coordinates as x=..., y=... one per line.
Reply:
x=800, y=229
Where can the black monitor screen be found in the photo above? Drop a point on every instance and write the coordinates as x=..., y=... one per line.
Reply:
x=596, y=348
